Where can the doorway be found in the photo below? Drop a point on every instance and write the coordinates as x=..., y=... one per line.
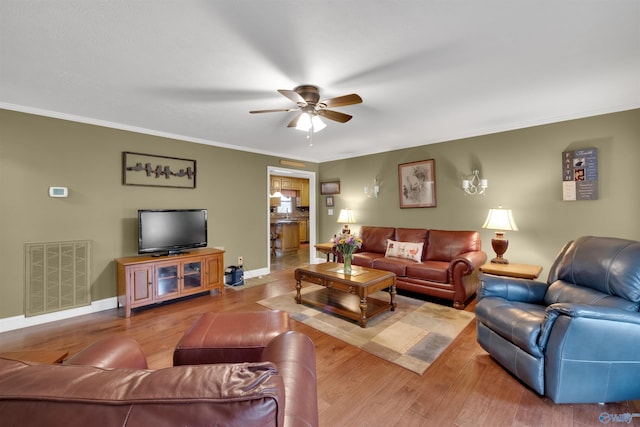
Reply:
x=305, y=254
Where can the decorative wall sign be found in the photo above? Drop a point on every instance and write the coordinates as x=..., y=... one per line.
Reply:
x=417, y=184
x=332, y=187
x=157, y=171
x=580, y=174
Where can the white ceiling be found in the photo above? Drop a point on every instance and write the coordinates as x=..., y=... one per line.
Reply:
x=428, y=70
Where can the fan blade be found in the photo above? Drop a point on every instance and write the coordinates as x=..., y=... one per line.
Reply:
x=335, y=115
x=341, y=101
x=293, y=123
x=280, y=110
x=294, y=96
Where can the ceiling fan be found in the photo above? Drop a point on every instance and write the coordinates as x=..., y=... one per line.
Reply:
x=307, y=98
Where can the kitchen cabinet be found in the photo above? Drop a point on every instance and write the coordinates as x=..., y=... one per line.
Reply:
x=301, y=185
x=145, y=280
x=304, y=192
x=276, y=184
x=287, y=183
x=303, y=231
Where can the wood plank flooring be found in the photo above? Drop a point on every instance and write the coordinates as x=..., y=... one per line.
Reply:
x=463, y=387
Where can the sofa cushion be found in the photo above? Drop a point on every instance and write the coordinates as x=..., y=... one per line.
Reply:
x=374, y=239
x=518, y=322
x=433, y=271
x=394, y=265
x=446, y=245
x=365, y=259
x=406, y=250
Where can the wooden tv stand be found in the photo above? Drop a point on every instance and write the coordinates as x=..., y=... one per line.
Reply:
x=147, y=279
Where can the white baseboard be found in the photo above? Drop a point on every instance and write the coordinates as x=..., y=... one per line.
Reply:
x=256, y=273
x=19, y=322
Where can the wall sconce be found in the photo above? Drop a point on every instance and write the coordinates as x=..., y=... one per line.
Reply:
x=475, y=185
x=346, y=217
x=501, y=220
x=372, y=192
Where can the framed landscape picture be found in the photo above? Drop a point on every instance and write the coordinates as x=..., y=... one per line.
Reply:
x=332, y=187
x=417, y=182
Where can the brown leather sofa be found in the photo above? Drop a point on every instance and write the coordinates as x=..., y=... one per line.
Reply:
x=448, y=266
x=108, y=384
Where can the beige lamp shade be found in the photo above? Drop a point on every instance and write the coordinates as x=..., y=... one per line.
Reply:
x=500, y=219
x=346, y=217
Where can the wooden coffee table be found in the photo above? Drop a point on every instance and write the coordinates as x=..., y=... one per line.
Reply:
x=346, y=295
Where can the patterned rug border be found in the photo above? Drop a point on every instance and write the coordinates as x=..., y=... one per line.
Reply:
x=412, y=336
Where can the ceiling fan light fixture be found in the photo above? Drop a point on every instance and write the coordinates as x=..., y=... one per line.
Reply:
x=304, y=122
x=317, y=123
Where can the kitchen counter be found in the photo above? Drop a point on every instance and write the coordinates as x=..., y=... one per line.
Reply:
x=288, y=234
x=276, y=220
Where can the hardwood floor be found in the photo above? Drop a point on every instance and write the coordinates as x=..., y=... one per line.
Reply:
x=463, y=387
x=290, y=259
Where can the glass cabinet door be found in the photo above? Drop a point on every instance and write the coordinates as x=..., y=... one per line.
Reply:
x=192, y=275
x=167, y=279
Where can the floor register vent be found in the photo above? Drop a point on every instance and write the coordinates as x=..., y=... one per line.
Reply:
x=57, y=276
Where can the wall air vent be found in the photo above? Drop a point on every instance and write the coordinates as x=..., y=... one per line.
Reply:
x=57, y=276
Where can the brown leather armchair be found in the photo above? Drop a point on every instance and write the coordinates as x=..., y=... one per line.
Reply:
x=107, y=384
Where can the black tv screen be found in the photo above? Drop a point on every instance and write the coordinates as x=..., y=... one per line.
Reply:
x=171, y=231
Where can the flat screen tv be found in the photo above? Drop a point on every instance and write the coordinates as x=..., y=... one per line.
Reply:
x=171, y=231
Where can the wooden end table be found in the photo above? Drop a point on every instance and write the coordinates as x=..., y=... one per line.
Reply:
x=521, y=271
x=327, y=249
x=346, y=295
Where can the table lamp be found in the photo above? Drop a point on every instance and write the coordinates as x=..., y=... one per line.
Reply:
x=501, y=220
x=346, y=217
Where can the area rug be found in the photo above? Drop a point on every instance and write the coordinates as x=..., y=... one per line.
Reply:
x=412, y=336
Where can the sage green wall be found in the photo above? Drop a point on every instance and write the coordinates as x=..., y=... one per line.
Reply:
x=523, y=168
x=38, y=152
x=524, y=172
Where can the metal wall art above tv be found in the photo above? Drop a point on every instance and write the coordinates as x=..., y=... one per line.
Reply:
x=171, y=231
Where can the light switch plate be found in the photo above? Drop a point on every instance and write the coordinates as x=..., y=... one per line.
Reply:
x=330, y=211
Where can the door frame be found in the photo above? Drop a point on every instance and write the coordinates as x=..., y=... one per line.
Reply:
x=294, y=173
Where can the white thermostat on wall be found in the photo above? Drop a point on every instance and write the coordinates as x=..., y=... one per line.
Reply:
x=58, y=192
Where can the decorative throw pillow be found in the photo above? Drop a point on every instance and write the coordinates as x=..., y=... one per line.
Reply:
x=406, y=250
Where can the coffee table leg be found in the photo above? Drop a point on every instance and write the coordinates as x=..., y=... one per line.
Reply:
x=298, y=287
x=392, y=293
x=363, y=312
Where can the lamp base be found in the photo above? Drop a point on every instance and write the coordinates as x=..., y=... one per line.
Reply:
x=345, y=229
x=499, y=245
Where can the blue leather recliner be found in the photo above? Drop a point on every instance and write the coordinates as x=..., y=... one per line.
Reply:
x=575, y=338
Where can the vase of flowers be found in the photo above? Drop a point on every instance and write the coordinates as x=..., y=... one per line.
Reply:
x=347, y=244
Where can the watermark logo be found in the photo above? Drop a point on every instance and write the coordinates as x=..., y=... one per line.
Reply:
x=606, y=418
